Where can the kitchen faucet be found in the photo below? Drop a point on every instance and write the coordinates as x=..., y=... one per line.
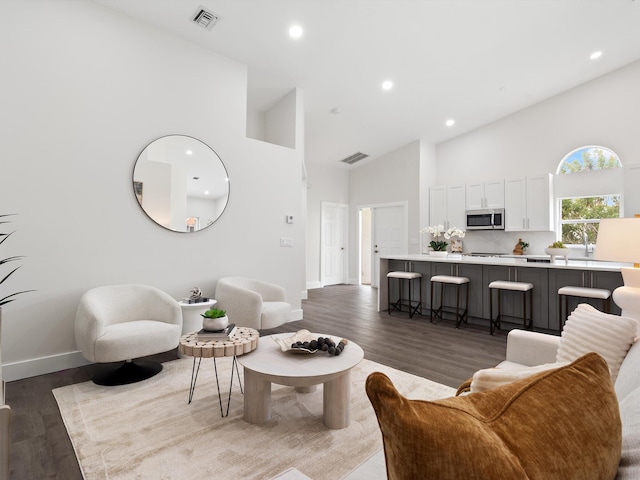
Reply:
x=586, y=244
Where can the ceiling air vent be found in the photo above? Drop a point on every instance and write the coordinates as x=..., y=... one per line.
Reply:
x=356, y=157
x=205, y=18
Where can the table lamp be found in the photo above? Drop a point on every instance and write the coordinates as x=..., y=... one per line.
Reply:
x=619, y=241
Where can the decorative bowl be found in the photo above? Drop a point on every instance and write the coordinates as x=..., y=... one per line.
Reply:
x=439, y=254
x=557, y=252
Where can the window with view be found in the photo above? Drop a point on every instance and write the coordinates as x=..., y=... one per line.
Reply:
x=580, y=216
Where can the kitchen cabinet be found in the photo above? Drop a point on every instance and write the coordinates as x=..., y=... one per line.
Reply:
x=529, y=203
x=512, y=301
x=473, y=273
x=481, y=195
x=580, y=278
x=447, y=206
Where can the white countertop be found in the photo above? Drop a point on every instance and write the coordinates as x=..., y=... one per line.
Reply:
x=513, y=261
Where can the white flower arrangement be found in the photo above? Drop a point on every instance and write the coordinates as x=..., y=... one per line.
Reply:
x=437, y=231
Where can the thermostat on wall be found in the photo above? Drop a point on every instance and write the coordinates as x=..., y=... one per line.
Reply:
x=289, y=218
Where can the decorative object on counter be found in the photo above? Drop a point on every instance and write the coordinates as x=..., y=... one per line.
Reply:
x=437, y=244
x=214, y=320
x=619, y=241
x=521, y=247
x=456, y=245
x=557, y=249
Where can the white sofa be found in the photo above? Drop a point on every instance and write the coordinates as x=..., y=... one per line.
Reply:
x=252, y=303
x=526, y=348
x=532, y=348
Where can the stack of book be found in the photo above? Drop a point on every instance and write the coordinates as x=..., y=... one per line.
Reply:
x=207, y=335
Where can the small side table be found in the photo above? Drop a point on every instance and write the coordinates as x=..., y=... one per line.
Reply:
x=191, y=319
x=244, y=340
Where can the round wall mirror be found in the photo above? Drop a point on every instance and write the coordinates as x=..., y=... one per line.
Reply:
x=181, y=183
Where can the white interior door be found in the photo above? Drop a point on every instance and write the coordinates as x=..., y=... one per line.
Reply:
x=389, y=235
x=333, y=243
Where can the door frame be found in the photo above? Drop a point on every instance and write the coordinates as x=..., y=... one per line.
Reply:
x=345, y=239
x=405, y=221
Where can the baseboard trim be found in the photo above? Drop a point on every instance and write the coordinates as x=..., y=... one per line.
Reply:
x=43, y=365
x=312, y=285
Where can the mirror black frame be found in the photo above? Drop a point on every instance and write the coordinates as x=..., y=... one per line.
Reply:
x=137, y=185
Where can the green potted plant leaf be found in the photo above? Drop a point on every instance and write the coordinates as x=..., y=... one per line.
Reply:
x=3, y=277
x=214, y=319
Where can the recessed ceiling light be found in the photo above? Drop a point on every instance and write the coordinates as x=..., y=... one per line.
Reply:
x=450, y=122
x=295, y=31
x=387, y=85
x=189, y=152
x=206, y=192
x=595, y=55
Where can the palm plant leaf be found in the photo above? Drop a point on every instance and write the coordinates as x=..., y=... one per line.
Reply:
x=5, y=235
x=5, y=300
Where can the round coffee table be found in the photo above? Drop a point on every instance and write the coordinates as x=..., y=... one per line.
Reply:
x=269, y=364
x=242, y=341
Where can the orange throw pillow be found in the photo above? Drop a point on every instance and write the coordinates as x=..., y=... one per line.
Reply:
x=560, y=424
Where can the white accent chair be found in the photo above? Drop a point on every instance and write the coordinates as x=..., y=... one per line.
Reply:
x=252, y=303
x=121, y=322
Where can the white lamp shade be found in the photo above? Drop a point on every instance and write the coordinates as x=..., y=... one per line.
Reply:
x=618, y=240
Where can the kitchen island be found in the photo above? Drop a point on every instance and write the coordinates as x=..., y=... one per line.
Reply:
x=546, y=277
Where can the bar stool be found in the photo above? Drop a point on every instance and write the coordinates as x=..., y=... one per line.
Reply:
x=397, y=305
x=581, y=292
x=457, y=282
x=501, y=285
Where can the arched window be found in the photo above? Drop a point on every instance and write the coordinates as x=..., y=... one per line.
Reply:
x=580, y=215
x=591, y=157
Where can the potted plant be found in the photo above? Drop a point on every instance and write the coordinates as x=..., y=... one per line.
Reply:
x=438, y=244
x=214, y=320
x=8, y=298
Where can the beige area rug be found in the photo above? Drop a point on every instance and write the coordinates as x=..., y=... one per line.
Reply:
x=149, y=431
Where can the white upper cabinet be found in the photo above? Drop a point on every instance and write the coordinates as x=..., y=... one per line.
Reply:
x=529, y=203
x=481, y=195
x=447, y=206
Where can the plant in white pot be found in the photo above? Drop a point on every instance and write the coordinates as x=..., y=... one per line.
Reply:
x=214, y=320
x=439, y=245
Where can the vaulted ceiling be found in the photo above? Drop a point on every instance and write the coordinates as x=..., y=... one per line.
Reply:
x=473, y=61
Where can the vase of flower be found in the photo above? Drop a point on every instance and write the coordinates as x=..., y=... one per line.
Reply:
x=439, y=237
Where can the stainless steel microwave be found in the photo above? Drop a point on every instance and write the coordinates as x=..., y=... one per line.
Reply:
x=491, y=219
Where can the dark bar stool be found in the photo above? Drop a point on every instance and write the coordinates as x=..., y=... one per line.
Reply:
x=581, y=292
x=501, y=285
x=397, y=305
x=443, y=280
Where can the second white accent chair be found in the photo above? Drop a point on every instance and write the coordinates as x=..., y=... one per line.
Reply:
x=252, y=303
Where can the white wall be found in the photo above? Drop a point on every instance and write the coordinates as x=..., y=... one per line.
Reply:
x=324, y=184
x=84, y=91
x=605, y=111
x=391, y=178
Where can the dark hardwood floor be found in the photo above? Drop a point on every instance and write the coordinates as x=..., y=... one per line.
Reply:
x=41, y=449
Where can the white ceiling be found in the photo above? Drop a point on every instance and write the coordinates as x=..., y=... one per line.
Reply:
x=471, y=60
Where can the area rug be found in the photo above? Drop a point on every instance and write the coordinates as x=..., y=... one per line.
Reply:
x=148, y=430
